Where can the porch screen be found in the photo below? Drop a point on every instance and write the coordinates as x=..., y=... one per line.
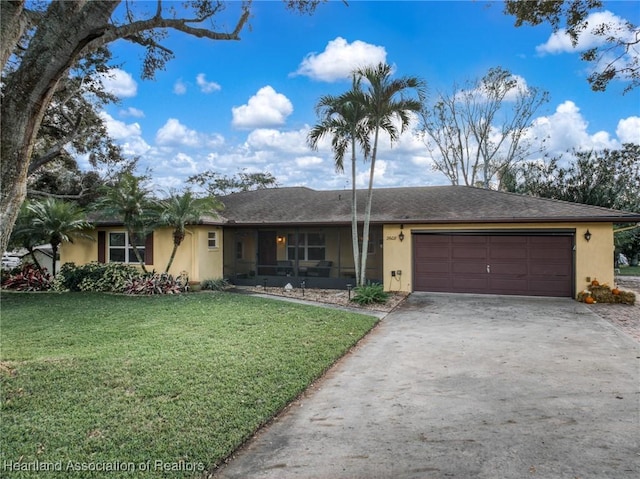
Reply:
x=310, y=246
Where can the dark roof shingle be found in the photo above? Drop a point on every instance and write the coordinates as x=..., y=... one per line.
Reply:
x=429, y=204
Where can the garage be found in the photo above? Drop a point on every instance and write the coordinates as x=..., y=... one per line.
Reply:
x=539, y=264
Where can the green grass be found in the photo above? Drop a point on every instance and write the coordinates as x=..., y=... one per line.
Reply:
x=629, y=271
x=104, y=381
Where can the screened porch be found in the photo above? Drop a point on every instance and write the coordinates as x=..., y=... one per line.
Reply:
x=313, y=257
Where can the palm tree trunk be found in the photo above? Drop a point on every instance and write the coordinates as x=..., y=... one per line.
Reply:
x=367, y=213
x=173, y=255
x=35, y=260
x=54, y=251
x=136, y=252
x=354, y=215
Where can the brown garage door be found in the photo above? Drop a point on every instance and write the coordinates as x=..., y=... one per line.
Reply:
x=533, y=265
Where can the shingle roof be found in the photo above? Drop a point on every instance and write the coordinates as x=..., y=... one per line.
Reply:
x=432, y=204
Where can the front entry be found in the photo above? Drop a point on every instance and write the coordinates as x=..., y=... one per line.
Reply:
x=267, y=253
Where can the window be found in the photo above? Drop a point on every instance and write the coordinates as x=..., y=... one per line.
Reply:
x=212, y=239
x=311, y=246
x=120, y=251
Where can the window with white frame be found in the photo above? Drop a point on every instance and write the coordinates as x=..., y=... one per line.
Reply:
x=120, y=249
x=212, y=239
x=310, y=246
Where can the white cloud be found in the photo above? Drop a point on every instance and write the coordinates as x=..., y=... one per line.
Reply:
x=119, y=83
x=293, y=142
x=133, y=112
x=179, y=87
x=175, y=133
x=566, y=129
x=307, y=161
x=339, y=59
x=560, y=42
x=205, y=86
x=266, y=108
x=119, y=130
x=182, y=163
x=628, y=130
x=129, y=136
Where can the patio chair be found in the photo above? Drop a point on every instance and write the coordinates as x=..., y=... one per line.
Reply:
x=321, y=270
x=284, y=268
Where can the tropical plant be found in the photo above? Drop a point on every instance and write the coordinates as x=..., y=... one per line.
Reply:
x=58, y=221
x=155, y=284
x=24, y=235
x=28, y=278
x=343, y=118
x=180, y=210
x=214, y=284
x=109, y=277
x=131, y=202
x=385, y=103
x=369, y=294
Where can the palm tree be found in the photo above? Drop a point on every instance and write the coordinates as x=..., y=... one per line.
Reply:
x=58, y=221
x=25, y=235
x=382, y=108
x=180, y=210
x=343, y=117
x=128, y=200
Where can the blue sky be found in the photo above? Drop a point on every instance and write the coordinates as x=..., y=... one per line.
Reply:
x=226, y=106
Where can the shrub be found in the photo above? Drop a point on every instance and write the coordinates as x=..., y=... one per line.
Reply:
x=28, y=278
x=214, y=284
x=156, y=284
x=369, y=294
x=105, y=277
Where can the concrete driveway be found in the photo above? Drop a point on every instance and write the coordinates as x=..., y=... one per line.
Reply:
x=466, y=386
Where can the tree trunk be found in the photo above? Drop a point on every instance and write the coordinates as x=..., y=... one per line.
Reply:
x=367, y=213
x=131, y=234
x=354, y=215
x=54, y=251
x=32, y=253
x=65, y=31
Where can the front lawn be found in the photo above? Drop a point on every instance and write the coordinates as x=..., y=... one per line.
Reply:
x=97, y=385
x=629, y=271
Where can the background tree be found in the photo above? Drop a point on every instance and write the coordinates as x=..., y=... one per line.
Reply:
x=221, y=185
x=129, y=201
x=607, y=178
x=43, y=40
x=478, y=132
x=180, y=210
x=57, y=221
x=613, y=58
x=344, y=119
x=386, y=105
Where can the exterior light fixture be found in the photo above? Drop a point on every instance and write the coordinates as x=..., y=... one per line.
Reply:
x=280, y=239
x=587, y=235
x=401, y=235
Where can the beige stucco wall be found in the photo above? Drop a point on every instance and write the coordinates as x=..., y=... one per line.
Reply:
x=193, y=256
x=81, y=251
x=594, y=259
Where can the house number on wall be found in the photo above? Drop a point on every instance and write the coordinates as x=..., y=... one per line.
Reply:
x=391, y=238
